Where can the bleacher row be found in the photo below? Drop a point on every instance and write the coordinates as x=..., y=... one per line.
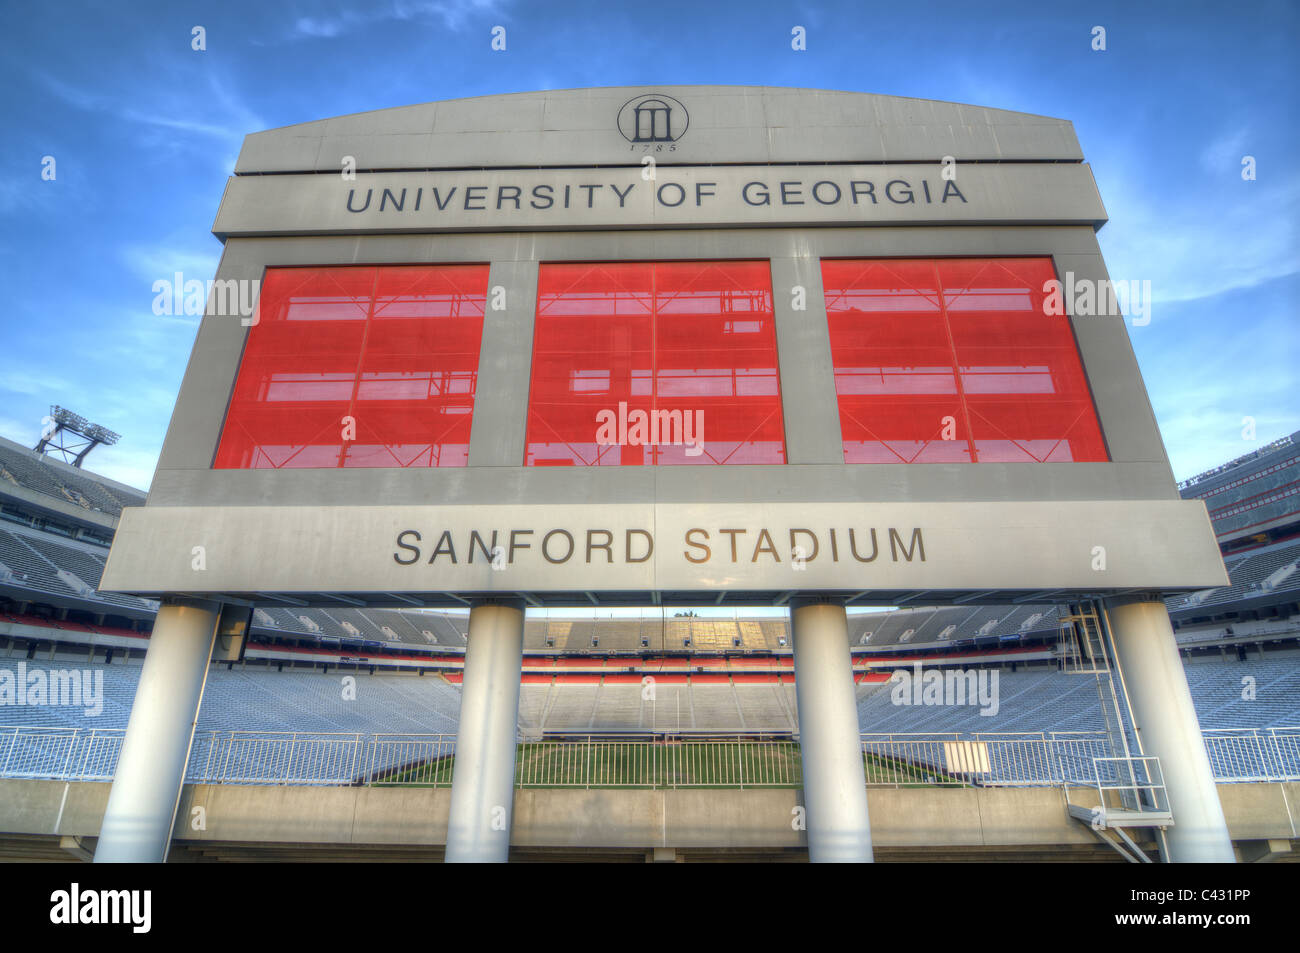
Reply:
x=22, y=467
x=1251, y=574
x=393, y=626
x=667, y=633
x=662, y=707
x=424, y=628
x=593, y=636
x=1054, y=701
x=950, y=624
x=34, y=561
x=1254, y=491
x=303, y=701
x=244, y=700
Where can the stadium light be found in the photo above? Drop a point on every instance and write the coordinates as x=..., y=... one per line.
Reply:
x=67, y=423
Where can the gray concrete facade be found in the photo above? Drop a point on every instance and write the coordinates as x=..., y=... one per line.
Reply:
x=1026, y=192
x=727, y=124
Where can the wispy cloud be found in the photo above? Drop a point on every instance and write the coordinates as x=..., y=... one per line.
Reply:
x=1205, y=246
x=112, y=104
x=1223, y=155
x=455, y=15
x=28, y=191
x=29, y=381
x=200, y=116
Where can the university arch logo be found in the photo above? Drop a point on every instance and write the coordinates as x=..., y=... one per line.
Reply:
x=653, y=118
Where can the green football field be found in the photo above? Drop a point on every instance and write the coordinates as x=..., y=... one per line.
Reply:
x=640, y=764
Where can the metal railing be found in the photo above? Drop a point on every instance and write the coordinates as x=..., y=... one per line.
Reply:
x=659, y=761
x=1131, y=784
x=1253, y=754
x=73, y=754
x=987, y=759
x=642, y=760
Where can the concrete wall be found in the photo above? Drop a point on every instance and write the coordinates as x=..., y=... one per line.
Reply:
x=953, y=818
x=577, y=127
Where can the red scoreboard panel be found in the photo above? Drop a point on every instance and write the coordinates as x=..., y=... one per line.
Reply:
x=675, y=341
x=955, y=360
x=358, y=367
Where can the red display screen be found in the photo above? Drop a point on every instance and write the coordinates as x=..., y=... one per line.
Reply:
x=358, y=367
x=653, y=363
x=955, y=361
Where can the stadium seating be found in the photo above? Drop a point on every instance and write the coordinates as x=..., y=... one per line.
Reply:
x=22, y=467
x=1254, y=493
x=28, y=569
x=914, y=627
x=1247, y=571
x=1046, y=700
x=253, y=698
x=248, y=715
x=42, y=560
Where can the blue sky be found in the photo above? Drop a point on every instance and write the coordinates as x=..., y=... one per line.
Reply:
x=144, y=131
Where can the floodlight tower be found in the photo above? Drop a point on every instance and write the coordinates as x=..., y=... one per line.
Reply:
x=84, y=435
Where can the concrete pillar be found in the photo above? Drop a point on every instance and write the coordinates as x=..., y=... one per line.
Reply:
x=146, y=788
x=1167, y=726
x=834, y=783
x=483, y=782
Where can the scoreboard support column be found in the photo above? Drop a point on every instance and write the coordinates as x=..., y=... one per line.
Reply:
x=483, y=781
x=834, y=781
x=146, y=790
x=1168, y=728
